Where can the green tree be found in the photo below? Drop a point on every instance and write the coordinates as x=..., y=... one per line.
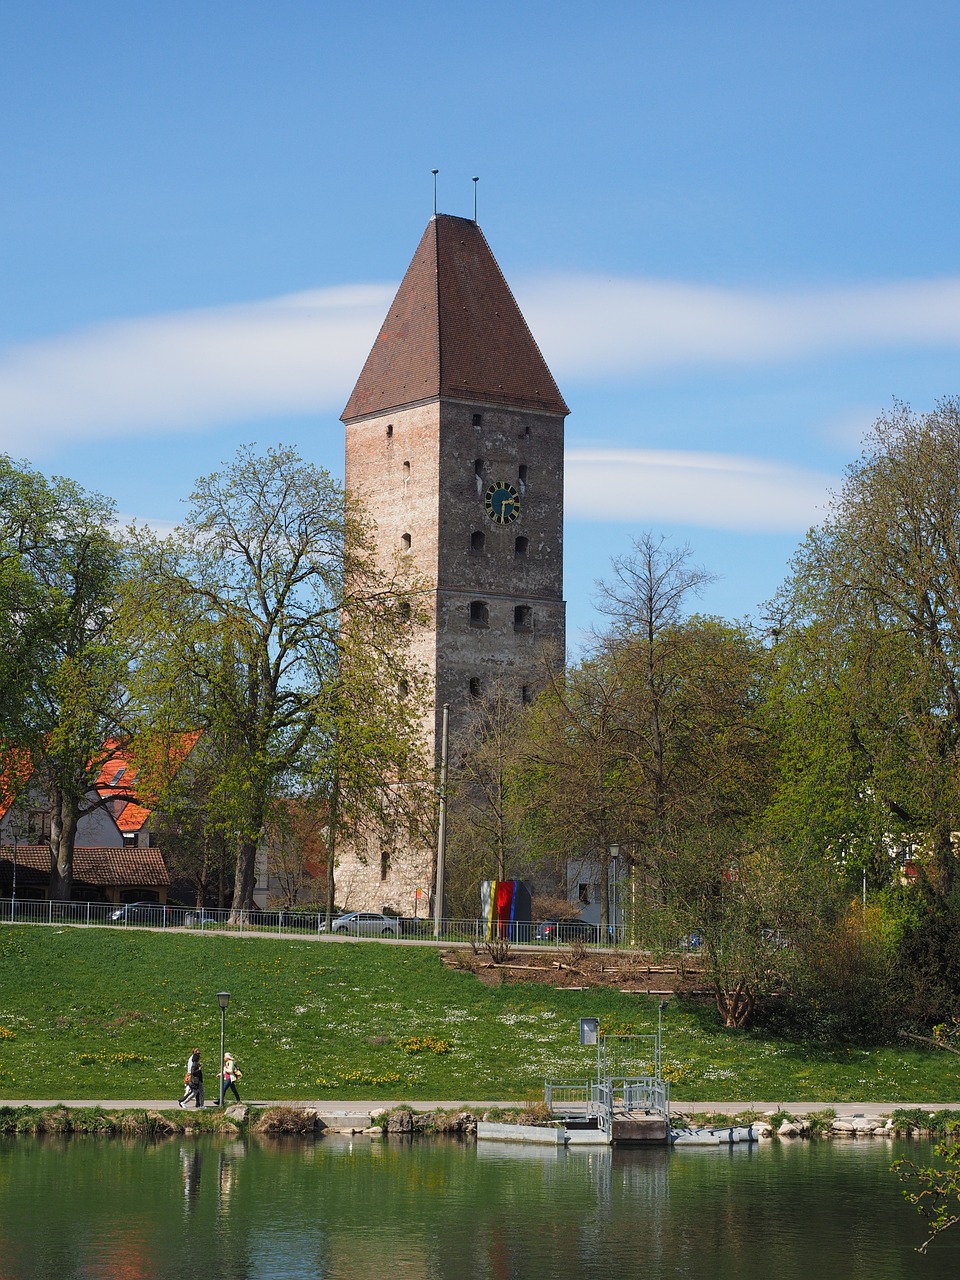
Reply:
x=64, y=664
x=261, y=621
x=868, y=657
x=489, y=811
x=934, y=1189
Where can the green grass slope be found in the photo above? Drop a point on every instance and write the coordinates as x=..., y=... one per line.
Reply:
x=109, y=1013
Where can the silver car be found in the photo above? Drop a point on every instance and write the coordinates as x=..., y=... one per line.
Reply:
x=367, y=924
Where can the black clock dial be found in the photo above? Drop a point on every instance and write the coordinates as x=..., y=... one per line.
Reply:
x=502, y=502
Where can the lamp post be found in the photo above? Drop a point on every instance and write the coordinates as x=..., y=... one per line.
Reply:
x=13, y=894
x=615, y=862
x=660, y=1009
x=223, y=999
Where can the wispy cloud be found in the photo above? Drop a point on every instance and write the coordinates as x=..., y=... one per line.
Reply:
x=189, y=370
x=300, y=354
x=709, y=490
x=588, y=326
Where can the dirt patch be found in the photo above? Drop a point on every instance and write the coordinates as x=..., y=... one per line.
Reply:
x=577, y=969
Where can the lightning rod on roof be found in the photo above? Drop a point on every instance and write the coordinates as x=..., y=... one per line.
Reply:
x=475, y=181
x=434, y=172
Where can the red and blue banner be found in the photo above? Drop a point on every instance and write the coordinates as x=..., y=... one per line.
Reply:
x=505, y=904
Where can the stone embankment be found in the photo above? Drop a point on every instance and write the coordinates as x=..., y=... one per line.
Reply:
x=404, y=1122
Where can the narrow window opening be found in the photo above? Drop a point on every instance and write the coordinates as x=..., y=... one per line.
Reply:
x=526, y=428
x=522, y=479
x=479, y=613
x=389, y=430
x=474, y=687
x=478, y=474
x=520, y=546
x=406, y=478
x=478, y=419
x=523, y=618
x=477, y=540
x=403, y=687
x=406, y=541
x=405, y=611
x=526, y=694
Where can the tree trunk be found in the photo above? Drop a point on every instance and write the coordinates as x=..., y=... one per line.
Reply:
x=945, y=859
x=63, y=834
x=244, y=879
x=736, y=1006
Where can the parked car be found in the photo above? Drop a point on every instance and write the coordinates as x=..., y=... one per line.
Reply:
x=154, y=913
x=691, y=942
x=367, y=924
x=567, y=931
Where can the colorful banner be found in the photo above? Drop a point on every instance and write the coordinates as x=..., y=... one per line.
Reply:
x=504, y=905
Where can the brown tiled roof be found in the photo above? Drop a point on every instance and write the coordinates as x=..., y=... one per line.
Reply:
x=454, y=330
x=91, y=865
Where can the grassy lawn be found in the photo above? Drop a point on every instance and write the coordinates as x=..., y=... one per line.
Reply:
x=109, y=1013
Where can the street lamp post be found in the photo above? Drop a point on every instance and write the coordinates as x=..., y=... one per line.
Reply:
x=223, y=999
x=13, y=894
x=615, y=862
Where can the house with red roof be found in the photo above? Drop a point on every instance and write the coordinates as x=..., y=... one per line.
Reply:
x=116, y=858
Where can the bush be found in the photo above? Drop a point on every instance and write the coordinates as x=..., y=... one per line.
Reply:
x=928, y=958
x=844, y=984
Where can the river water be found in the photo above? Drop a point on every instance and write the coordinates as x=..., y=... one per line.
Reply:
x=112, y=1209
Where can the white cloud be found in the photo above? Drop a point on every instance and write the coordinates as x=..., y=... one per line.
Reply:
x=588, y=327
x=711, y=490
x=183, y=371
x=301, y=353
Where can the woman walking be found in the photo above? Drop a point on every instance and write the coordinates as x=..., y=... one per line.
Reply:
x=229, y=1076
x=193, y=1079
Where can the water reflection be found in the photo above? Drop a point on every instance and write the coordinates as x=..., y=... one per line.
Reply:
x=353, y=1209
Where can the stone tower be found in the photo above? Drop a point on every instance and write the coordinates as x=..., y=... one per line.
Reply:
x=454, y=443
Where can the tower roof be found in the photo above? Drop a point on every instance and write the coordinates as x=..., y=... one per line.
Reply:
x=454, y=330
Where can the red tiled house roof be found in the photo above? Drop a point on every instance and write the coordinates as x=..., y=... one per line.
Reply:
x=118, y=779
x=454, y=330
x=14, y=778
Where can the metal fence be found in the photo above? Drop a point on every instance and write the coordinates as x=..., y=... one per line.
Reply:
x=303, y=923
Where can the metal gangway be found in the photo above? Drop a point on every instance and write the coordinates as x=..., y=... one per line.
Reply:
x=624, y=1105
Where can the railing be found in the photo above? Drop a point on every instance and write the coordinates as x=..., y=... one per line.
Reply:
x=597, y=1101
x=640, y=1093
x=574, y=1100
x=155, y=915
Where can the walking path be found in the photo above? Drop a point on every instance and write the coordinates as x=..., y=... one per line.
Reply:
x=329, y=1106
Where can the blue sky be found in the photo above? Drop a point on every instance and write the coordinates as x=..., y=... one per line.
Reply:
x=732, y=227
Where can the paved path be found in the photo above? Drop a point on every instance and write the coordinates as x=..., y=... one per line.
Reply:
x=330, y=1106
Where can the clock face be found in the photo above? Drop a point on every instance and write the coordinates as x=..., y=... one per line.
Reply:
x=502, y=502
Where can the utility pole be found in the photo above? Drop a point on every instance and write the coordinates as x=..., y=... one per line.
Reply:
x=441, y=824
